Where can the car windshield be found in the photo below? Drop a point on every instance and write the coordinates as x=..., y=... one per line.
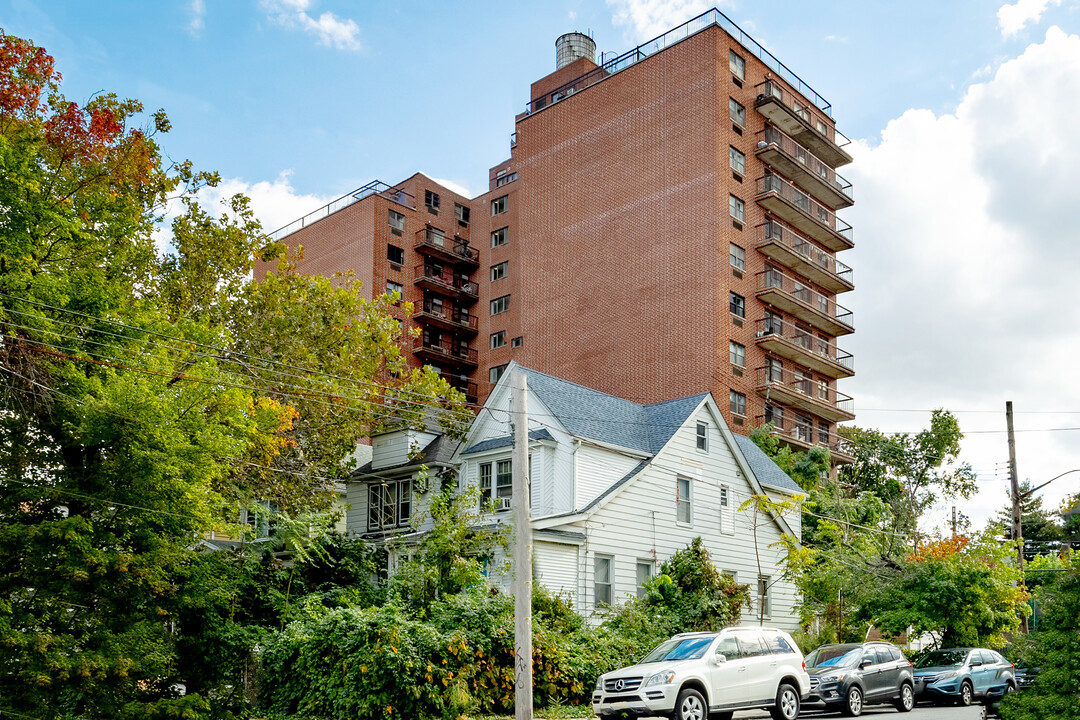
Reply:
x=680, y=649
x=835, y=656
x=942, y=658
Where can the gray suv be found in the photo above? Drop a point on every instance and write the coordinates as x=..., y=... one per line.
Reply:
x=851, y=676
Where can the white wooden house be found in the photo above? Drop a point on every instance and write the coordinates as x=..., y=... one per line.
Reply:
x=616, y=488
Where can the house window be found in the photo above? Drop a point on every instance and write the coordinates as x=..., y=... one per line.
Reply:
x=516, y=342
x=737, y=256
x=737, y=161
x=431, y=200
x=500, y=304
x=394, y=289
x=396, y=220
x=683, y=509
x=644, y=575
x=389, y=504
x=498, y=237
x=498, y=272
x=602, y=579
x=737, y=65
x=727, y=514
x=737, y=208
x=737, y=305
x=499, y=492
x=774, y=370
x=499, y=205
x=498, y=339
x=737, y=402
x=703, y=436
x=395, y=254
x=763, y=595
x=462, y=214
x=737, y=353
x=495, y=373
x=737, y=112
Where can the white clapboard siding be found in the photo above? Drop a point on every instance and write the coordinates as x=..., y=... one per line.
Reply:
x=597, y=470
x=555, y=566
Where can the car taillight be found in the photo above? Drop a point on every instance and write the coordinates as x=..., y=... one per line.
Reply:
x=804, y=666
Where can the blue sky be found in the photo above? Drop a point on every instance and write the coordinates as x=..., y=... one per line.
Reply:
x=966, y=251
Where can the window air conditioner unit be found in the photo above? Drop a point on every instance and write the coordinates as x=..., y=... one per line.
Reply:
x=503, y=504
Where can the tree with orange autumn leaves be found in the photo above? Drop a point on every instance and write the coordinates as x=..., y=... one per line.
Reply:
x=150, y=395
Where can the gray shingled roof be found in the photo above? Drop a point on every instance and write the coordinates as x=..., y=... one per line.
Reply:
x=506, y=441
x=437, y=452
x=765, y=470
x=594, y=415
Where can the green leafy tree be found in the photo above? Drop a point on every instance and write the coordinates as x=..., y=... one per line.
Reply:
x=806, y=468
x=1042, y=529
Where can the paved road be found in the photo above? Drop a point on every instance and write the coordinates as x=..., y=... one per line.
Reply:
x=922, y=712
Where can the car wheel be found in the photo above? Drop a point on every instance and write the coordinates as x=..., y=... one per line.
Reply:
x=907, y=698
x=965, y=694
x=853, y=703
x=787, y=703
x=690, y=706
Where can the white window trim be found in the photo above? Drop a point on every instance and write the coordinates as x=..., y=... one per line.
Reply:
x=698, y=436
x=689, y=500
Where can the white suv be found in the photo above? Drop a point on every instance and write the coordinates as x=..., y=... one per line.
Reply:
x=709, y=675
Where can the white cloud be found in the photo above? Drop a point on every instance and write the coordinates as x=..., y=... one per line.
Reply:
x=332, y=31
x=646, y=19
x=197, y=10
x=1013, y=18
x=966, y=265
x=455, y=187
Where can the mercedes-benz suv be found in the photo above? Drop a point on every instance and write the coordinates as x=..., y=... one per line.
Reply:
x=695, y=676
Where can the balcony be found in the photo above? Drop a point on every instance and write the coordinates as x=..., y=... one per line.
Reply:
x=441, y=280
x=804, y=436
x=788, y=113
x=445, y=352
x=798, y=163
x=810, y=306
x=796, y=252
x=462, y=384
x=443, y=316
x=807, y=349
x=815, y=397
x=803, y=212
x=433, y=242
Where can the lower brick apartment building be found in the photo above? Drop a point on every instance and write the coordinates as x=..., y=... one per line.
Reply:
x=666, y=223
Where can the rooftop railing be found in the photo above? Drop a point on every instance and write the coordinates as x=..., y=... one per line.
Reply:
x=375, y=187
x=808, y=205
x=671, y=37
x=775, y=136
x=820, y=391
x=774, y=327
x=774, y=279
x=775, y=232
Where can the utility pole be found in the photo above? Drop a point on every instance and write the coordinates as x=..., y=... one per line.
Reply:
x=954, y=522
x=1014, y=481
x=523, y=669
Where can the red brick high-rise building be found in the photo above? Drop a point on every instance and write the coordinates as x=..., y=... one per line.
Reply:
x=666, y=224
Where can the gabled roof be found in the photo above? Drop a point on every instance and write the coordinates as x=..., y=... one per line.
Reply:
x=765, y=470
x=506, y=441
x=593, y=415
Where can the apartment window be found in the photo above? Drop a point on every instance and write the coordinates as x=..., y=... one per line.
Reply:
x=737, y=208
x=703, y=436
x=737, y=161
x=498, y=272
x=495, y=373
x=498, y=237
x=737, y=304
x=737, y=256
x=462, y=214
x=500, y=181
x=395, y=254
x=396, y=220
x=763, y=595
x=774, y=415
x=737, y=112
x=683, y=508
x=737, y=403
x=498, y=339
x=774, y=370
x=737, y=65
x=500, y=304
x=644, y=575
x=737, y=353
x=602, y=579
x=389, y=504
x=393, y=288
x=727, y=513
x=823, y=389
x=822, y=127
x=823, y=432
x=431, y=200
x=774, y=323
x=516, y=342
x=498, y=205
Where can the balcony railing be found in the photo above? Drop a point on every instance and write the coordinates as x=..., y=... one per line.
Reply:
x=456, y=247
x=773, y=89
x=819, y=397
x=375, y=187
x=807, y=435
x=455, y=352
x=812, y=260
x=449, y=316
x=819, y=172
x=462, y=383
x=443, y=279
x=805, y=303
x=805, y=347
x=810, y=216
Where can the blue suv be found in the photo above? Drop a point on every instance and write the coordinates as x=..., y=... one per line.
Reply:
x=961, y=674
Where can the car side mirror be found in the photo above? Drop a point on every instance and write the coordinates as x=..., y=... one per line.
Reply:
x=719, y=658
x=976, y=663
x=865, y=664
